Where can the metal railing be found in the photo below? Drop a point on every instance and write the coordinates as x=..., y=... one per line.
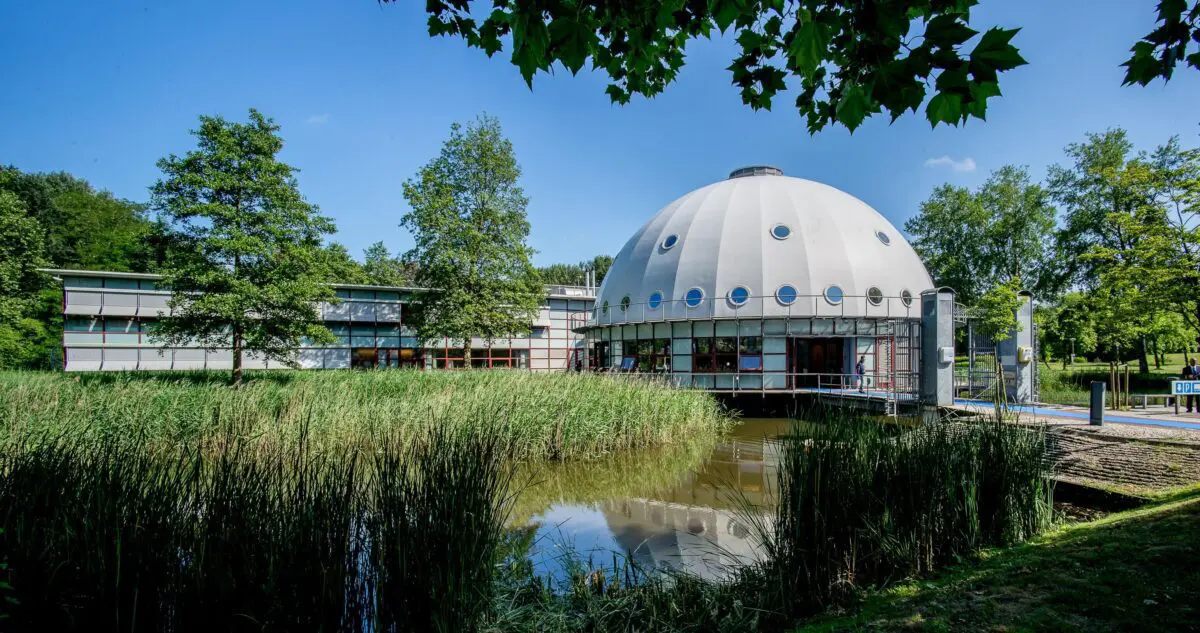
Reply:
x=755, y=306
x=890, y=388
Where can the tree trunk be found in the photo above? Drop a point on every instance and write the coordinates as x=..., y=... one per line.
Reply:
x=236, y=379
x=467, y=355
x=1143, y=365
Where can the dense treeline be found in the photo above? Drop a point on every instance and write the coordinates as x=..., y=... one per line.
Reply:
x=58, y=220
x=1108, y=243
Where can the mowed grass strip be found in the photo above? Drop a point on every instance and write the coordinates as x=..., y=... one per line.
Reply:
x=1131, y=571
x=556, y=416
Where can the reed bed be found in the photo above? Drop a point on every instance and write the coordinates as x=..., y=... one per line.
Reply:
x=103, y=535
x=556, y=416
x=861, y=506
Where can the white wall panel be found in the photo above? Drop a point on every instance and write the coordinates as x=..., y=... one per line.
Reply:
x=118, y=359
x=154, y=359
x=339, y=312
x=189, y=358
x=251, y=360
x=152, y=305
x=387, y=312
x=84, y=359
x=119, y=304
x=362, y=311
x=81, y=302
x=337, y=359
x=219, y=359
x=311, y=358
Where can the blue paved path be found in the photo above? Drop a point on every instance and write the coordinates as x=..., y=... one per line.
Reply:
x=1108, y=417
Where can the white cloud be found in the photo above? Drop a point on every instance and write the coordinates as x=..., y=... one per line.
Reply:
x=318, y=119
x=966, y=164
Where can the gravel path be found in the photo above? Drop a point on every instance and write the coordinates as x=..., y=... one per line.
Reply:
x=1111, y=460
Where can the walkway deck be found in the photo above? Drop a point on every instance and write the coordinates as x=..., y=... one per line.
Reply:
x=1162, y=417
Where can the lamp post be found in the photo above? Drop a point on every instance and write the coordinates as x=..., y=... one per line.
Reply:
x=1072, y=351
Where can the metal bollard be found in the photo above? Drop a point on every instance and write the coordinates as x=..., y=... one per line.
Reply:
x=1097, y=414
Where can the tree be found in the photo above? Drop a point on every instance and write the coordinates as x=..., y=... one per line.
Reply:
x=337, y=266
x=21, y=244
x=576, y=274
x=949, y=234
x=1117, y=236
x=848, y=60
x=972, y=241
x=251, y=274
x=1176, y=188
x=468, y=220
x=1069, y=327
x=382, y=269
x=85, y=228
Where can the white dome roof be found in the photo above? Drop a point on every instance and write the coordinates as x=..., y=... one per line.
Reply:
x=723, y=237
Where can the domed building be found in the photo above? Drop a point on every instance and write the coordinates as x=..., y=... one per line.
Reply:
x=764, y=282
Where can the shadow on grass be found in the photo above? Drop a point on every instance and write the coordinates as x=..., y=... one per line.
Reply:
x=1135, y=570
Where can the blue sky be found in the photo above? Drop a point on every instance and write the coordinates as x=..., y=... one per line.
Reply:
x=365, y=97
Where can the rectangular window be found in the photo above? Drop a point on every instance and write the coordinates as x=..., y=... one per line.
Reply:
x=702, y=355
x=726, y=354
x=76, y=324
x=121, y=284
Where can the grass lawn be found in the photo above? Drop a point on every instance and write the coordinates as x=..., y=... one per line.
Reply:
x=1132, y=571
x=1071, y=386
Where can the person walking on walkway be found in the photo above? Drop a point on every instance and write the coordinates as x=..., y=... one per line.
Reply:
x=1191, y=372
x=860, y=371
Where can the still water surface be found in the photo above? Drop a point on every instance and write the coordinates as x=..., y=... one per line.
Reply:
x=675, y=508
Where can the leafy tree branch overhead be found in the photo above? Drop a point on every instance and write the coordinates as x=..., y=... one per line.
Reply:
x=848, y=59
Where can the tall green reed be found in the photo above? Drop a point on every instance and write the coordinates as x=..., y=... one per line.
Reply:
x=861, y=504
x=102, y=534
x=559, y=416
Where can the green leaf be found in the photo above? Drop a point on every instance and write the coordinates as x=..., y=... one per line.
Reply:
x=572, y=42
x=944, y=108
x=949, y=29
x=809, y=46
x=852, y=107
x=725, y=12
x=995, y=51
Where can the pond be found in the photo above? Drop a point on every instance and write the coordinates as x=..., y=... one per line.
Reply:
x=676, y=508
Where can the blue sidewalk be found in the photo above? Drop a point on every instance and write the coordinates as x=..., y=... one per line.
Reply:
x=1108, y=417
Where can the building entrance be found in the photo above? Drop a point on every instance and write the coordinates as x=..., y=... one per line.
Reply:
x=818, y=362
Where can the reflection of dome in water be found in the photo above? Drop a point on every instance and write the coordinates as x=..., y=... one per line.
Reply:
x=692, y=541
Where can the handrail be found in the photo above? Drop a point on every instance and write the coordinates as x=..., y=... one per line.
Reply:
x=755, y=306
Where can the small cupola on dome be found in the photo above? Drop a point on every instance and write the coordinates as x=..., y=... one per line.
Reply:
x=755, y=170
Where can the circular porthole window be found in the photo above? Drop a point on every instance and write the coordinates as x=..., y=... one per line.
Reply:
x=834, y=295
x=786, y=294
x=874, y=295
x=670, y=241
x=625, y=301
x=906, y=298
x=781, y=231
x=694, y=297
x=655, y=300
x=604, y=308
x=883, y=237
x=739, y=295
